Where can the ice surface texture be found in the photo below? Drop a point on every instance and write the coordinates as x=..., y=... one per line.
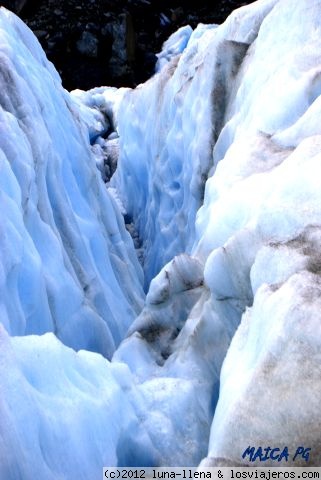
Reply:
x=234, y=119
x=252, y=87
x=67, y=263
x=168, y=128
x=68, y=267
x=174, y=46
x=260, y=226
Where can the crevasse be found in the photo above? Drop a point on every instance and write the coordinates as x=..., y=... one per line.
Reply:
x=218, y=169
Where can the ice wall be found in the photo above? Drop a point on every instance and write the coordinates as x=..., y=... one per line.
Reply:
x=69, y=268
x=168, y=128
x=67, y=263
x=237, y=114
x=240, y=106
x=259, y=229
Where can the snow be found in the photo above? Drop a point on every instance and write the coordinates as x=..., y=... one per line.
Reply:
x=218, y=175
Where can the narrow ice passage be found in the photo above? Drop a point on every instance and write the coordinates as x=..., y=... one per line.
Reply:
x=219, y=171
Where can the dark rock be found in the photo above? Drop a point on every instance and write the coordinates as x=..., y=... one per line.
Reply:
x=54, y=41
x=40, y=34
x=164, y=20
x=177, y=14
x=112, y=42
x=88, y=45
x=123, y=48
x=14, y=5
x=150, y=60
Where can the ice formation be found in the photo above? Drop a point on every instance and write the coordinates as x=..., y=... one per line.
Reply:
x=257, y=233
x=218, y=170
x=174, y=46
x=67, y=263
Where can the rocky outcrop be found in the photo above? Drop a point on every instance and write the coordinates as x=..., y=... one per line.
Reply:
x=14, y=5
x=111, y=42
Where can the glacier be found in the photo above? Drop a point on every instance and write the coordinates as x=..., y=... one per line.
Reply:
x=57, y=221
x=203, y=337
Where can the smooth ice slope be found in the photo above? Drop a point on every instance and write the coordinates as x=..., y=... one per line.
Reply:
x=67, y=264
x=65, y=415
